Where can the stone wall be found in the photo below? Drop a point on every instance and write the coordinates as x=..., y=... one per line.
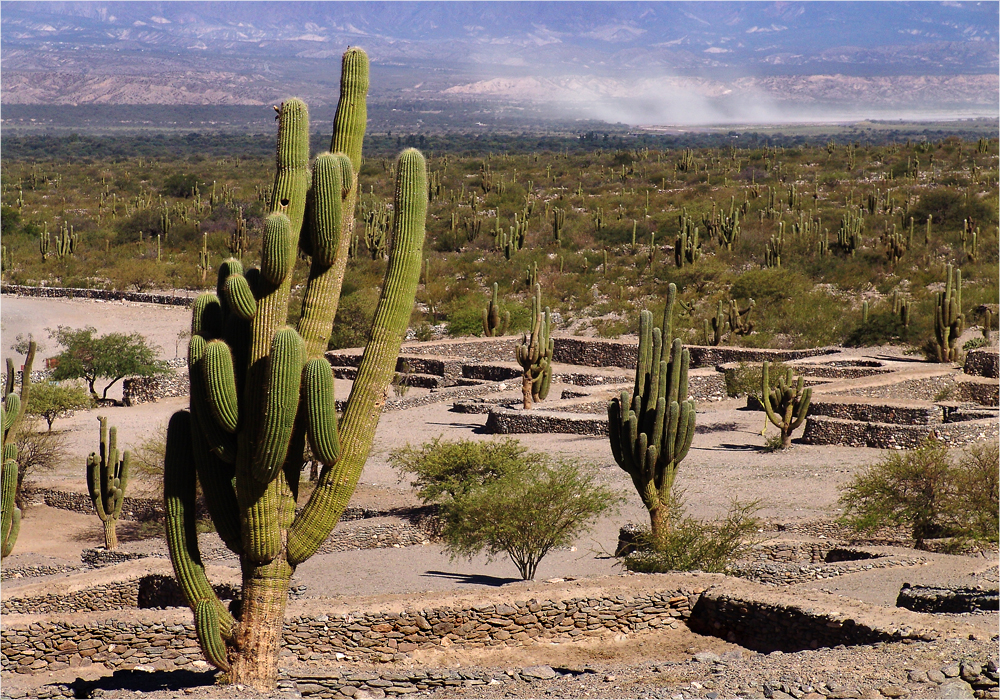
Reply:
x=506, y=421
x=137, y=390
x=42, y=646
x=785, y=625
x=983, y=362
x=981, y=390
x=928, y=599
x=899, y=412
x=132, y=508
x=823, y=430
x=99, y=294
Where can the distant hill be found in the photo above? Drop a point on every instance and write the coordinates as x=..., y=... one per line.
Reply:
x=887, y=55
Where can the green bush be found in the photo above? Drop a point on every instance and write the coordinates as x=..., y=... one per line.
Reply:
x=697, y=545
x=179, y=185
x=746, y=378
x=498, y=498
x=922, y=490
x=51, y=400
x=354, y=319
x=882, y=328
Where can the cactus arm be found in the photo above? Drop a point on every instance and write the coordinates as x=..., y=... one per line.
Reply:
x=206, y=624
x=216, y=479
x=206, y=316
x=321, y=415
x=802, y=409
x=182, y=538
x=220, y=385
x=392, y=315
x=766, y=396
x=222, y=443
x=332, y=174
x=239, y=296
x=11, y=518
x=283, y=388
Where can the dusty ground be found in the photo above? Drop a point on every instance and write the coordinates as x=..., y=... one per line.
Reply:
x=798, y=486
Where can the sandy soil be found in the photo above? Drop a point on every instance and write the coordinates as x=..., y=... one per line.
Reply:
x=799, y=485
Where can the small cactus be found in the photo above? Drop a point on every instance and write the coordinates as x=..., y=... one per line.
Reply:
x=494, y=325
x=949, y=321
x=107, y=477
x=534, y=354
x=787, y=404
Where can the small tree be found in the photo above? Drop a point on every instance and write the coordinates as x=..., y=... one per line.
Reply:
x=37, y=451
x=113, y=356
x=51, y=400
x=498, y=497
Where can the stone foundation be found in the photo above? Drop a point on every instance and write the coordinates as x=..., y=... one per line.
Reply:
x=983, y=362
x=823, y=430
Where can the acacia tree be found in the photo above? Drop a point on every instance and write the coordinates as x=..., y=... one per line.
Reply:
x=112, y=356
x=50, y=400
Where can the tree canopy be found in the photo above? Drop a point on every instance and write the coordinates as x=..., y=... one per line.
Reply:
x=112, y=356
x=50, y=400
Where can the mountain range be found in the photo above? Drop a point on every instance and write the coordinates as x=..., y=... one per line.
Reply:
x=652, y=62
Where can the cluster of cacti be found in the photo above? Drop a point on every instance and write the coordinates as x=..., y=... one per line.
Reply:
x=901, y=309
x=239, y=240
x=774, y=247
x=687, y=248
x=597, y=216
x=107, y=477
x=970, y=239
x=377, y=223
x=787, y=404
x=739, y=321
x=433, y=186
x=11, y=412
x=66, y=241
x=558, y=222
x=534, y=353
x=686, y=162
x=823, y=244
x=531, y=273
x=895, y=246
x=651, y=429
x=495, y=325
x=204, y=260
x=949, y=321
x=852, y=225
x=45, y=243
x=512, y=241
x=715, y=327
x=260, y=389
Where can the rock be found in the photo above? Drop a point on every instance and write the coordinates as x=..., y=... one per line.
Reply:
x=543, y=673
x=969, y=672
x=951, y=671
x=936, y=676
x=954, y=688
x=918, y=676
x=707, y=657
x=894, y=691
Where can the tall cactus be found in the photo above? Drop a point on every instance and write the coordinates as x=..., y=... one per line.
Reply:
x=651, y=429
x=786, y=405
x=107, y=477
x=534, y=354
x=495, y=325
x=11, y=412
x=260, y=389
x=949, y=321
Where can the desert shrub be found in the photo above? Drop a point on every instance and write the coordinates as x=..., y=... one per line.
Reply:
x=496, y=497
x=37, y=451
x=690, y=544
x=949, y=208
x=179, y=185
x=768, y=286
x=882, y=328
x=51, y=400
x=354, y=319
x=922, y=490
x=465, y=320
x=745, y=379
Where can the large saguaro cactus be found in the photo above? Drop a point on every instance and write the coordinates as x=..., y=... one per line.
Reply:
x=651, y=429
x=11, y=412
x=949, y=321
x=534, y=354
x=786, y=404
x=260, y=389
x=107, y=477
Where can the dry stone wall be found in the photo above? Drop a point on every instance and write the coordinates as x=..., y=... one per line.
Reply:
x=983, y=362
x=99, y=294
x=824, y=430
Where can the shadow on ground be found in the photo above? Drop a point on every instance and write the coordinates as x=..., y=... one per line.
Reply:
x=144, y=681
x=477, y=579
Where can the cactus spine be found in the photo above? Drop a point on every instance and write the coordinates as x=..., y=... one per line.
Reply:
x=534, y=354
x=260, y=389
x=651, y=429
x=11, y=412
x=949, y=321
x=107, y=477
x=787, y=404
x=494, y=325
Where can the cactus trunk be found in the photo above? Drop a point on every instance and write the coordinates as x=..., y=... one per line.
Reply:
x=111, y=535
x=254, y=663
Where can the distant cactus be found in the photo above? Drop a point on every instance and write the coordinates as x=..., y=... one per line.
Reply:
x=895, y=246
x=107, y=477
x=493, y=324
x=687, y=248
x=774, y=247
x=558, y=222
x=851, y=227
x=11, y=412
x=239, y=240
x=949, y=321
x=739, y=321
x=534, y=354
x=715, y=327
x=204, y=262
x=901, y=309
x=787, y=404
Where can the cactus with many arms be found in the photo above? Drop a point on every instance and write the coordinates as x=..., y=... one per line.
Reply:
x=494, y=325
x=534, y=354
x=786, y=404
x=949, y=321
x=12, y=410
x=107, y=477
x=715, y=327
x=651, y=429
x=739, y=321
x=260, y=389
